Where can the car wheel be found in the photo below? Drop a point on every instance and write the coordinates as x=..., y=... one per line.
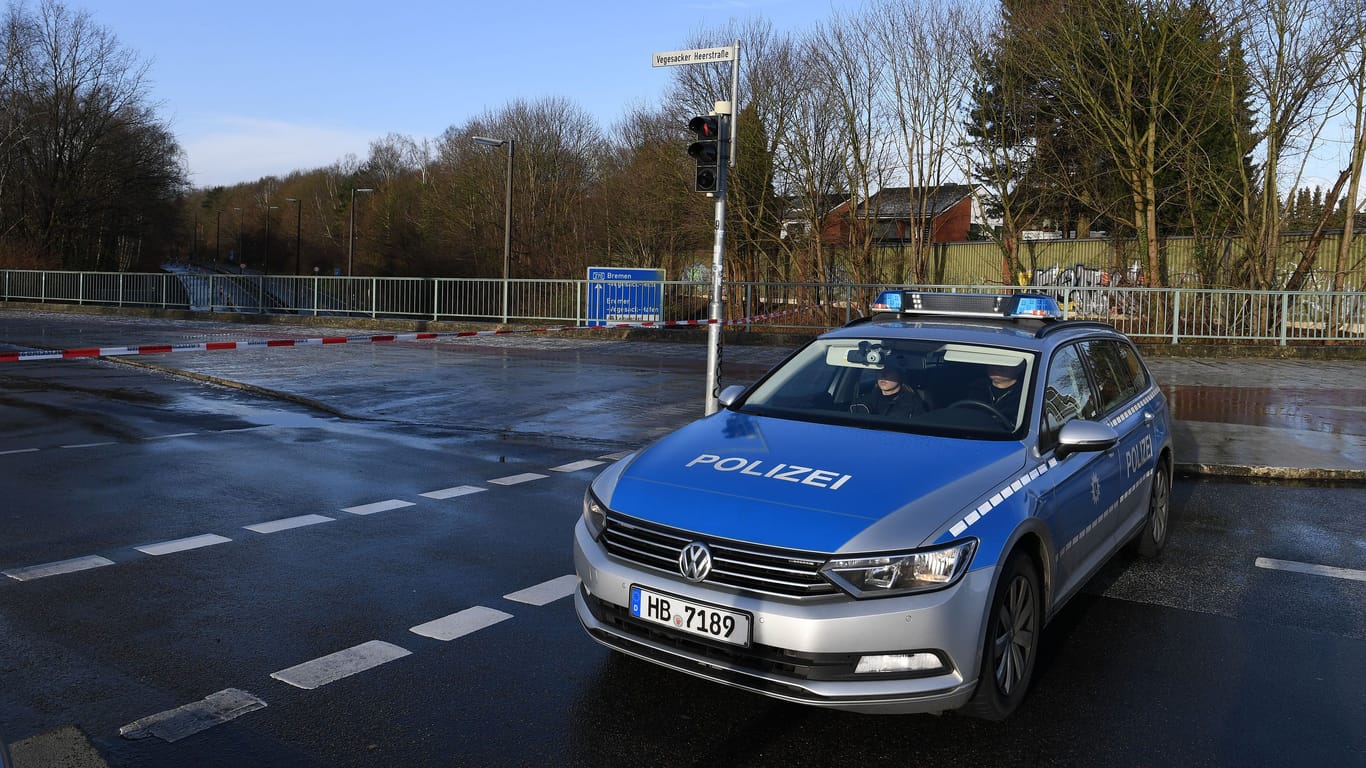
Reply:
x=1153, y=537
x=1012, y=641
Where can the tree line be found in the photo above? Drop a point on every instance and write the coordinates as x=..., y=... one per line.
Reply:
x=1142, y=119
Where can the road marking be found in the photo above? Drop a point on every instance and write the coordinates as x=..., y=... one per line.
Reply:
x=90, y=445
x=576, y=466
x=379, y=506
x=285, y=524
x=525, y=477
x=546, y=592
x=168, y=437
x=1315, y=570
x=54, y=569
x=181, y=545
x=616, y=456
x=462, y=623
x=19, y=450
x=335, y=666
x=450, y=493
x=175, y=724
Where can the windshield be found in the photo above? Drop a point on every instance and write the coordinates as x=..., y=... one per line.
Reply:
x=955, y=389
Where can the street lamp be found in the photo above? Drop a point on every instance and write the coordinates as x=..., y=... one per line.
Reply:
x=265, y=250
x=351, y=239
x=507, y=214
x=298, y=229
x=241, y=261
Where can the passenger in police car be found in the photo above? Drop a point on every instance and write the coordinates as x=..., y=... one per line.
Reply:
x=892, y=397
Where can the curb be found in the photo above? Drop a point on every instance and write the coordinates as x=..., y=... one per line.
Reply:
x=1292, y=474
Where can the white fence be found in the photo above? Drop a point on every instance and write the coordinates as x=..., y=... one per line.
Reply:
x=1174, y=315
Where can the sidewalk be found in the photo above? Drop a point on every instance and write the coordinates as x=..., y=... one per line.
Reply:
x=1278, y=419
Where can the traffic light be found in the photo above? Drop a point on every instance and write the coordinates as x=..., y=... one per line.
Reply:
x=706, y=151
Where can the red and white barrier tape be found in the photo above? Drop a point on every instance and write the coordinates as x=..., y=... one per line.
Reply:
x=215, y=346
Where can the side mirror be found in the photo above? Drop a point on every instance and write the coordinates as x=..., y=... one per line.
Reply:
x=730, y=394
x=1078, y=435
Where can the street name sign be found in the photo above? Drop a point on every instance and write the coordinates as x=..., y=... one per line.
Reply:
x=695, y=56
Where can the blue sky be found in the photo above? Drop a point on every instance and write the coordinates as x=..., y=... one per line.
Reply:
x=254, y=88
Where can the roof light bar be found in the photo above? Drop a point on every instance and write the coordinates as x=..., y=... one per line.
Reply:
x=993, y=305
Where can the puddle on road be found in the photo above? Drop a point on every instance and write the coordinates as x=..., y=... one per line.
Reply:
x=258, y=416
x=1333, y=411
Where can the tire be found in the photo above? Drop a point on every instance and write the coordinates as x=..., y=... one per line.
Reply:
x=1153, y=536
x=1011, y=645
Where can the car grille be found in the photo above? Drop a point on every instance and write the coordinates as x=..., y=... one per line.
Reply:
x=750, y=567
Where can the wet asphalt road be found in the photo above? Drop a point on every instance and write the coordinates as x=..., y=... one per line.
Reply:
x=448, y=477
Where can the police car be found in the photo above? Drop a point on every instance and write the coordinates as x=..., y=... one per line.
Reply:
x=807, y=543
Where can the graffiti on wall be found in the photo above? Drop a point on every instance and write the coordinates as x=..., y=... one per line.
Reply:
x=1087, y=288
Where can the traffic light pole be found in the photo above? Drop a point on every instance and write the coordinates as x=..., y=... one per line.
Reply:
x=714, y=133
x=718, y=255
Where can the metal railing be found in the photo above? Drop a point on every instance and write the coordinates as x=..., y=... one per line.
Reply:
x=1155, y=315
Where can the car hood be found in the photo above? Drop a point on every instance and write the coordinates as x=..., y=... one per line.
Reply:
x=807, y=486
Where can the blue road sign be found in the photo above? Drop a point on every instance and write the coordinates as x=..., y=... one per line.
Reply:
x=625, y=295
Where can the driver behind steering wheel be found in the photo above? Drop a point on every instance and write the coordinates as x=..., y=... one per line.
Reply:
x=891, y=398
x=1002, y=390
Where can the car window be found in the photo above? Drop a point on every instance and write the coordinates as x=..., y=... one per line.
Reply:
x=1119, y=374
x=1066, y=396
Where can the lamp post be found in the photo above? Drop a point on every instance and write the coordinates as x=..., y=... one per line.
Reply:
x=217, y=249
x=265, y=250
x=507, y=214
x=351, y=238
x=241, y=262
x=298, y=233
x=298, y=230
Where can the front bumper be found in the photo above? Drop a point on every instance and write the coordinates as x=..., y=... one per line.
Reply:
x=802, y=651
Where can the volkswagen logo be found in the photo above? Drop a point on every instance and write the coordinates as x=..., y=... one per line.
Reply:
x=694, y=562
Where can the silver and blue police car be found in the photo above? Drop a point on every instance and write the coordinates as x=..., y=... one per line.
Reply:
x=885, y=522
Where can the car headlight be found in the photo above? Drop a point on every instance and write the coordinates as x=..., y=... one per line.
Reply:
x=922, y=570
x=594, y=514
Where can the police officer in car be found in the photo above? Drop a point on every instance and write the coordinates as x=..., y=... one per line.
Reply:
x=891, y=398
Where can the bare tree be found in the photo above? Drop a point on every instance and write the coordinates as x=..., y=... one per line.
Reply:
x=1353, y=69
x=856, y=81
x=1292, y=47
x=928, y=49
x=89, y=168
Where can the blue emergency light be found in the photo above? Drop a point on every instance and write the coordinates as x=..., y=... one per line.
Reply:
x=989, y=305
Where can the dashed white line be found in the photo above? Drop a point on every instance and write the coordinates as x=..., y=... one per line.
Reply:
x=576, y=466
x=90, y=445
x=1310, y=568
x=19, y=450
x=379, y=506
x=73, y=565
x=168, y=437
x=176, y=724
x=285, y=524
x=181, y=545
x=525, y=477
x=335, y=666
x=461, y=623
x=451, y=493
x=546, y=592
x=616, y=456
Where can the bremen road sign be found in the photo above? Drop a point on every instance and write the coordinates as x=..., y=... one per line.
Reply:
x=695, y=56
x=630, y=295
